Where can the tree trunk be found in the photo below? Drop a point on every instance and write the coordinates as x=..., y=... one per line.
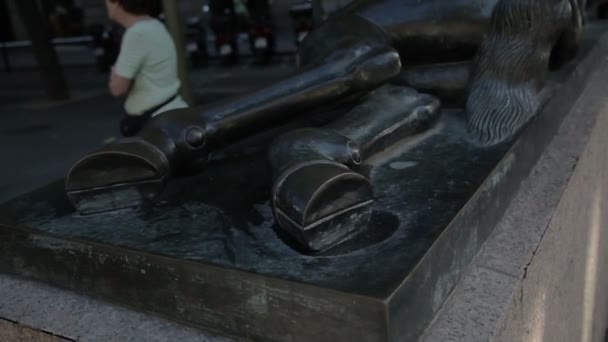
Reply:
x=6, y=33
x=38, y=29
x=176, y=28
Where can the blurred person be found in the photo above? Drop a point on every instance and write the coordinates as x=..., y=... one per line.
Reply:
x=146, y=69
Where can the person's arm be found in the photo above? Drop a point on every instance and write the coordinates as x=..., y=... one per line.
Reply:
x=119, y=86
x=130, y=60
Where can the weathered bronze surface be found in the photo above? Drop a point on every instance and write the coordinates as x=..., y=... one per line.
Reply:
x=317, y=195
x=490, y=55
x=345, y=199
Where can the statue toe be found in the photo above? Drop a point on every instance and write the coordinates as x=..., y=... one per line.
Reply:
x=125, y=173
x=322, y=203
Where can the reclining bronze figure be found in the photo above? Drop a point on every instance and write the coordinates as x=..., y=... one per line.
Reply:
x=399, y=61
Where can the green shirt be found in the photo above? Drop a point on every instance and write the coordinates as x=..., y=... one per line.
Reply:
x=148, y=57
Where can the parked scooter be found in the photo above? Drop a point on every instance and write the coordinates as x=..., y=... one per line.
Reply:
x=223, y=22
x=106, y=45
x=196, y=41
x=302, y=16
x=261, y=34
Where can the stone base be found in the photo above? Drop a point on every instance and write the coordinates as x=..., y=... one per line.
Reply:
x=541, y=275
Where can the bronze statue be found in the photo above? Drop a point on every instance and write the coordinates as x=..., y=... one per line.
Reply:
x=490, y=56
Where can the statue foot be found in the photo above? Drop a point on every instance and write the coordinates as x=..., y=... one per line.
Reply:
x=322, y=203
x=123, y=174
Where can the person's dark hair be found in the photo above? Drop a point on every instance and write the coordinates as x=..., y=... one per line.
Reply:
x=140, y=7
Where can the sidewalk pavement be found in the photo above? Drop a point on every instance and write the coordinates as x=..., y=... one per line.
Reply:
x=39, y=145
x=22, y=57
x=41, y=140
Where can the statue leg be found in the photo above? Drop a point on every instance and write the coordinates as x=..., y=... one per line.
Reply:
x=512, y=63
x=319, y=196
x=447, y=81
x=130, y=171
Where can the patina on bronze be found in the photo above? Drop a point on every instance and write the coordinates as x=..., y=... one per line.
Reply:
x=320, y=197
x=491, y=55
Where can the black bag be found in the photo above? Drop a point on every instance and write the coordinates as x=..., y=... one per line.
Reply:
x=130, y=125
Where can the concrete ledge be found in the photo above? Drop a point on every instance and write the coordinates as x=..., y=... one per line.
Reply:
x=11, y=331
x=55, y=313
x=540, y=277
